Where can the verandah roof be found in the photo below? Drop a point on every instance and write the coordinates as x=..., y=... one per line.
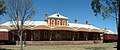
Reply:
x=41, y=27
x=95, y=30
x=104, y=30
x=4, y=27
x=63, y=28
x=82, y=29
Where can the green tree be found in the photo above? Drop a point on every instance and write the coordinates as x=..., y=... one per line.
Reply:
x=107, y=9
x=2, y=7
x=18, y=12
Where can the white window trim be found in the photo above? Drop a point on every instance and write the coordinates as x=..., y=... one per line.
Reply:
x=54, y=22
x=64, y=22
x=57, y=22
x=48, y=21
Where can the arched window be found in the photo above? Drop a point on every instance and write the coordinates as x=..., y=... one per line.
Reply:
x=53, y=22
x=46, y=35
x=58, y=22
x=63, y=23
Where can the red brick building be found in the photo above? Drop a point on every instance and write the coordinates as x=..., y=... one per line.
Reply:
x=56, y=28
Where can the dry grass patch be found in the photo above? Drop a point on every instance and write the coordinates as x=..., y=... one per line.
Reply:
x=105, y=46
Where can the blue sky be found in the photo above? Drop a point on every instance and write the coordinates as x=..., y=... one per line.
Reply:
x=73, y=9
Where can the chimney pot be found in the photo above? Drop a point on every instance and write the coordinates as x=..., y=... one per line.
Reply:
x=16, y=18
x=46, y=15
x=87, y=22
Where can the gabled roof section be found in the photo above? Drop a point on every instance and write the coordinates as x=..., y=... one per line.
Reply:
x=57, y=15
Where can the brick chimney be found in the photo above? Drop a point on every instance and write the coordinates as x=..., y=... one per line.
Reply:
x=16, y=18
x=87, y=22
x=76, y=21
x=46, y=15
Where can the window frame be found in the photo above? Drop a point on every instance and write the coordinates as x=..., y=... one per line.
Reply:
x=58, y=23
x=63, y=22
x=53, y=22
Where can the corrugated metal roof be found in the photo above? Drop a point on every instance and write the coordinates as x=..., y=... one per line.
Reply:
x=36, y=23
x=76, y=25
x=73, y=25
x=27, y=23
x=110, y=32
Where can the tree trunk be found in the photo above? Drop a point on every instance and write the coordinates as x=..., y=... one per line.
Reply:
x=21, y=42
x=118, y=40
x=86, y=38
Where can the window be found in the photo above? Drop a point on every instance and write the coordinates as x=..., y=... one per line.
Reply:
x=63, y=22
x=36, y=35
x=58, y=22
x=53, y=22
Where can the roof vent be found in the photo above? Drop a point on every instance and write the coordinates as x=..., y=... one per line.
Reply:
x=76, y=21
x=58, y=15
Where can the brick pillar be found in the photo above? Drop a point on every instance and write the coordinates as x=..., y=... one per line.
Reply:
x=46, y=15
x=101, y=36
x=97, y=36
x=13, y=37
x=32, y=36
x=50, y=36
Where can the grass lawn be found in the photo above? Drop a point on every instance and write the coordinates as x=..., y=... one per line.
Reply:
x=105, y=46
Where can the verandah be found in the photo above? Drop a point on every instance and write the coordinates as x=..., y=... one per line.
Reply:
x=60, y=35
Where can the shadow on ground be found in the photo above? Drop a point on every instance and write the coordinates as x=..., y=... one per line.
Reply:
x=115, y=46
x=5, y=49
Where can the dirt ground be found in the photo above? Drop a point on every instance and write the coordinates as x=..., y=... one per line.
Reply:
x=104, y=46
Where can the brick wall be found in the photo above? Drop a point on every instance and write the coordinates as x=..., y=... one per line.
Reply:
x=4, y=36
x=59, y=42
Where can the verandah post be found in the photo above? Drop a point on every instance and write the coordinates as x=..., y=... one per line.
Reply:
x=73, y=36
x=86, y=36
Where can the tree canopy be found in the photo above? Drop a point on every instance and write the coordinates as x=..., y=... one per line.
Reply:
x=2, y=7
x=18, y=12
x=106, y=8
